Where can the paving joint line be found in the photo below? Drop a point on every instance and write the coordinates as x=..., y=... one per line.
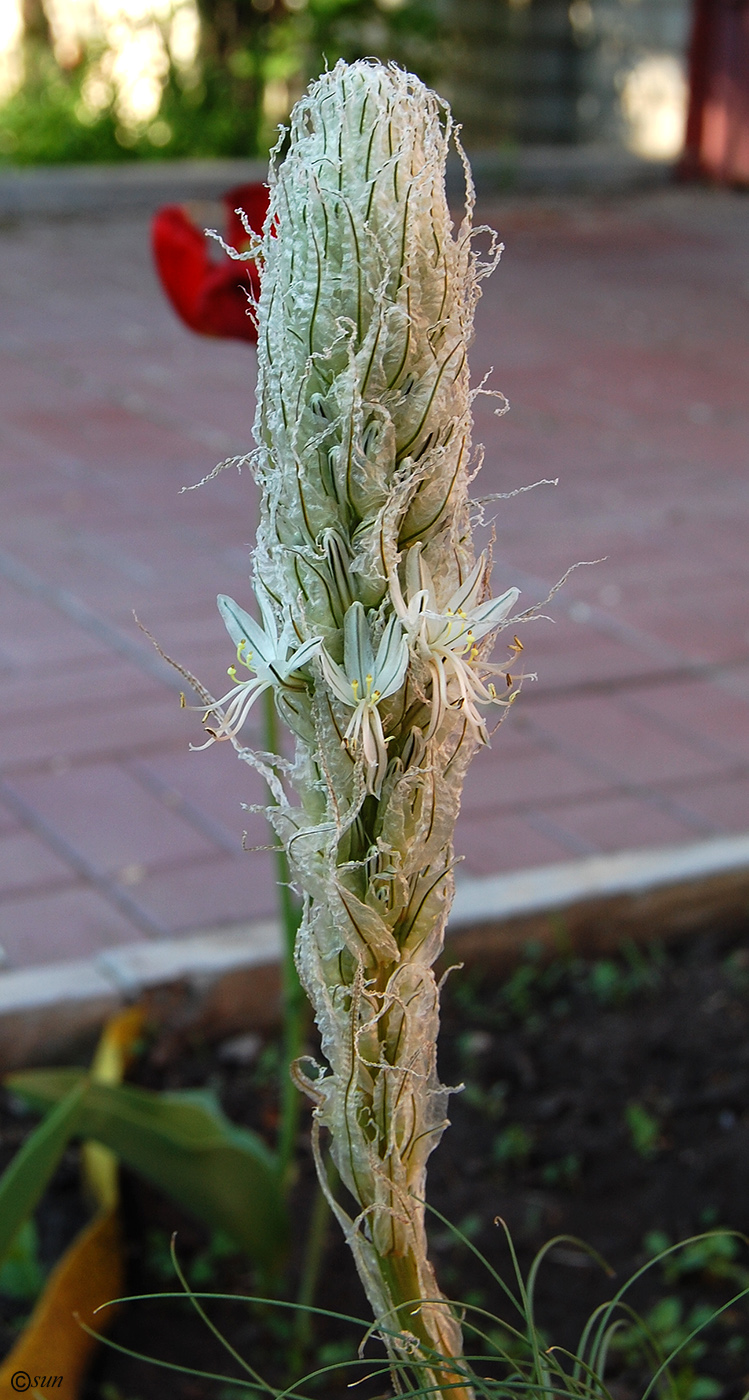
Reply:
x=658, y=797
x=546, y=826
x=83, y=707
x=173, y=800
x=66, y=464
x=118, y=753
x=586, y=614
x=106, y=887
x=75, y=610
x=652, y=796
x=703, y=743
x=135, y=404
x=696, y=670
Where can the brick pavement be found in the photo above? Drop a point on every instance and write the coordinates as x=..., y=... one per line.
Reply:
x=618, y=330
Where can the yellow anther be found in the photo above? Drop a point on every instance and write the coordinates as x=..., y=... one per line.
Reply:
x=509, y=680
x=492, y=692
x=182, y=700
x=232, y=671
x=462, y=614
x=355, y=688
x=474, y=654
x=375, y=696
x=518, y=643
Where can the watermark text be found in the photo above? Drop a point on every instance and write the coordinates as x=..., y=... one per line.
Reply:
x=21, y=1380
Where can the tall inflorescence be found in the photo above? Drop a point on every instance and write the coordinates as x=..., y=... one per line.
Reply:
x=376, y=627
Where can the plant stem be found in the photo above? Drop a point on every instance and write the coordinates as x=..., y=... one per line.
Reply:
x=313, y=1257
x=293, y=1000
x=402, y=1276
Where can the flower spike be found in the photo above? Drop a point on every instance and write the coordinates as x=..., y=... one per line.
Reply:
x=363, y=459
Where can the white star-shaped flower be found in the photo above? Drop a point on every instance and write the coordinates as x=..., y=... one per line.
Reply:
x=362, y=682
x=447, y=638
x=261, y=651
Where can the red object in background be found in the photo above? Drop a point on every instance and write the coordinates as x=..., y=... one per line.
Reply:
x=210, y=297
x=717, y=138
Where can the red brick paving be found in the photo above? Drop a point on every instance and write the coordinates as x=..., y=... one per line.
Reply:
x=110, y=818
x=209, y=893
x=618, y=330
x=623, y=745
x=723, y=803
x=50, y=927
x=28, y=865
x=616, y=823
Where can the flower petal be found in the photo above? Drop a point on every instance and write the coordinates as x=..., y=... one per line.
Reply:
x=269, y=618
x=336, y=678
x=392, y=659
x=302, y=655
x=358, y=657
x=243, y=628
x=489, y=614
x=466, y=597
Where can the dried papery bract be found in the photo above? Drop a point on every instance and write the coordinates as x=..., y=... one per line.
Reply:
x=364, y=561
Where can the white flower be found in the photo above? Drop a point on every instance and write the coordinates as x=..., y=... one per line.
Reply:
x=363, y=681
x=259, y=650
x=447, y=639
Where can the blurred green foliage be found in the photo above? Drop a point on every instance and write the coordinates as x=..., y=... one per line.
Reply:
x=21, y=1273
x=255, y=58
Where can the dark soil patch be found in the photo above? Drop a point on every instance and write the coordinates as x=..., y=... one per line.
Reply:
x=607, y=1100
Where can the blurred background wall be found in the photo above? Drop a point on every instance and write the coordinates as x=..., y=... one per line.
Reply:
x=109, y=80
x=114, y=79
x=548, y=72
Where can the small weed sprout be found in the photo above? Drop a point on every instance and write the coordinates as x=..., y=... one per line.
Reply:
x=644, y=1129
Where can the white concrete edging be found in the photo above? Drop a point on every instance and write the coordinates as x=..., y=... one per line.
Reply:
x=223, y=980
x=633, y=873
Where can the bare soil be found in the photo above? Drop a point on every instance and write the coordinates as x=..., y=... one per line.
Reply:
x=605, y=1100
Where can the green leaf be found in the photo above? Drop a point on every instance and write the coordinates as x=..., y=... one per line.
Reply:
x=705, y=1388
x=24, y=1180
x=184, y=1144
x=21, y=1275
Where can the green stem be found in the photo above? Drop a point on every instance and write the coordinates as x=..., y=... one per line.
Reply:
x=314, y=1254
x=293, y=1002
x=401, y=1275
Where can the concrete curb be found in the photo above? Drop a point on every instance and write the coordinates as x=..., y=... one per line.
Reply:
x=141, y=186
x=594, y=904
x=55, y=191
x=224, y=980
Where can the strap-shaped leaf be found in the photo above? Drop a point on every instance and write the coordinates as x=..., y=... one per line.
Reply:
x=184, y=1144
x=99, y=1166
x=24, y=1180
x=90, y=1272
